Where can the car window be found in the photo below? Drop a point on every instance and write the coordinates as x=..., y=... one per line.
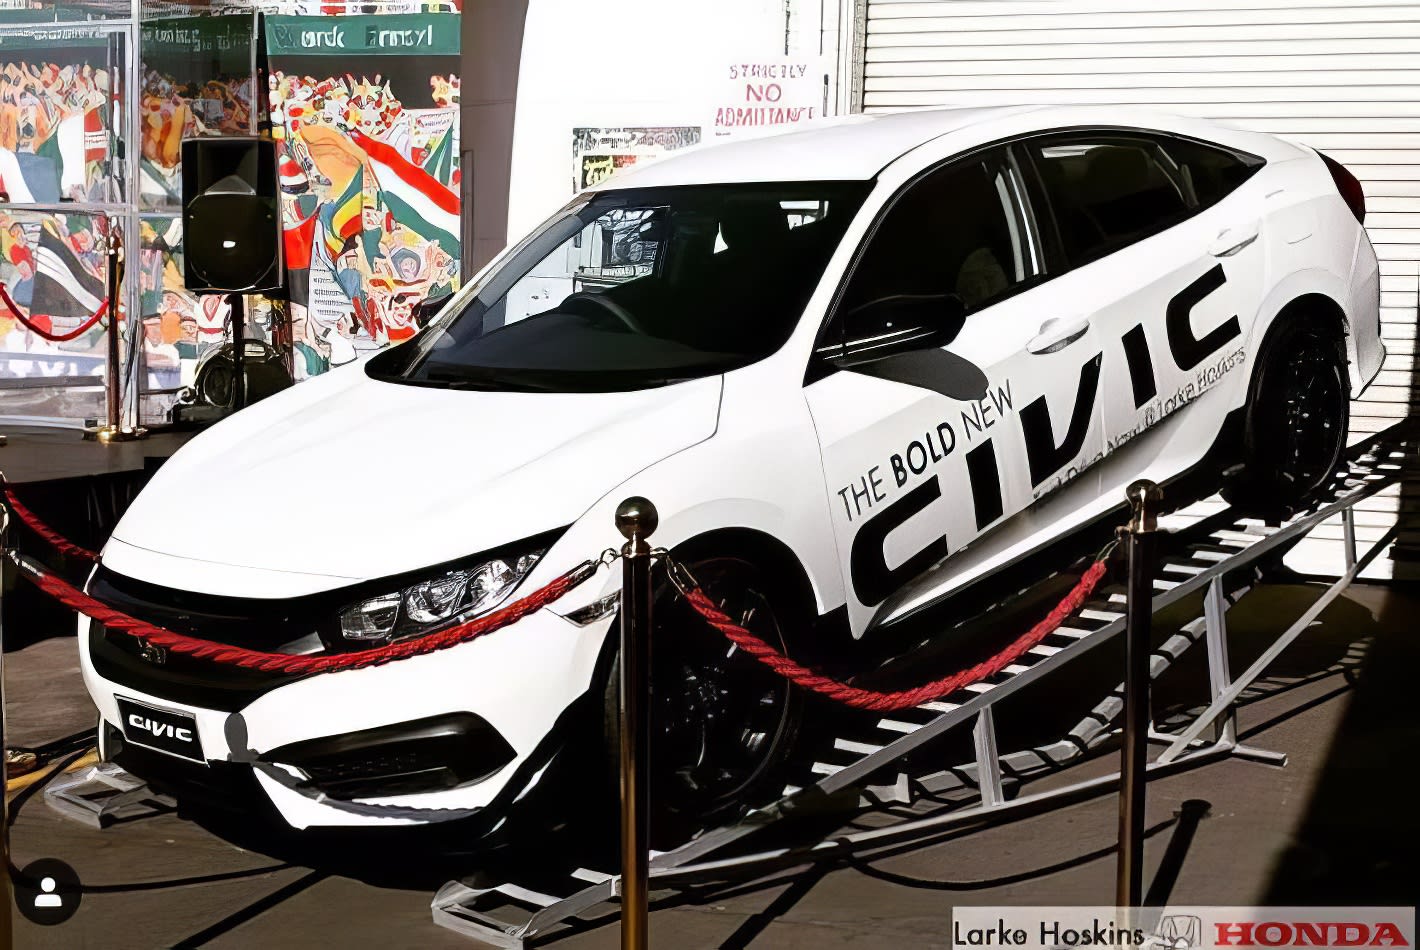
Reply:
x=1108, y=192
x=639, y=287
x=1209, y=173
x=956, y=234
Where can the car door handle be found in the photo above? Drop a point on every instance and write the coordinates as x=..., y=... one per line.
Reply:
x=1232, y=240
x=1057, y=333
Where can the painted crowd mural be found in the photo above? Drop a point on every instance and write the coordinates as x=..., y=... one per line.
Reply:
x=56, y=103
x=362, y=99
x=52, y=268
x=53, y=141
x=369, y=168
x=196, y=80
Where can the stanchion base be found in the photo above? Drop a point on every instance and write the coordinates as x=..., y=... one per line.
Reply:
x=19, y=762
x=103, y=794
x=107, y=434
x=1264, y=756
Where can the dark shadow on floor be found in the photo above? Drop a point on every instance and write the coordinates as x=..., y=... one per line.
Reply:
x=1360, y=837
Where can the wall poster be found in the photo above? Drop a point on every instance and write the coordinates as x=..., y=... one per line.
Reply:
x=599, y=153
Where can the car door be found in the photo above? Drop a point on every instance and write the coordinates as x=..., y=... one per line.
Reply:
x=1168, y=269
x=948, y=391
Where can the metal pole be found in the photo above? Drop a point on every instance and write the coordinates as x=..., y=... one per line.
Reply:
x=239, y=377
x=6, y=896
x=113, y=429
x=1144, y=497
x=636, y=519
x=113, y=416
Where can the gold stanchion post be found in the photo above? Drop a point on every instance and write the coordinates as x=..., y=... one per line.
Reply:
x=7, y=896
x=1144, y=498
x=113, y=429
x=636, y=519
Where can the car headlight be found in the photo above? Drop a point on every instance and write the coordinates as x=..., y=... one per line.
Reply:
x=451, y=597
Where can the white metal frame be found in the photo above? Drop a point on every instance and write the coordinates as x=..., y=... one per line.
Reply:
x=122, y=206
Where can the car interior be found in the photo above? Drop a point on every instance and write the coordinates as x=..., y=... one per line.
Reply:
x=1106, y=196
x=948, y=237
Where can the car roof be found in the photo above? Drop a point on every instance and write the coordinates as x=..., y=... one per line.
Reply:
x=858, y=147
x=843, y=148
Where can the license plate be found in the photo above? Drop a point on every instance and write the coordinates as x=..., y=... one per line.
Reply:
x=166, y=730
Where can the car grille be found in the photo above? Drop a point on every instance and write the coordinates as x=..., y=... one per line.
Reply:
x=265, y=625
x=421, y=755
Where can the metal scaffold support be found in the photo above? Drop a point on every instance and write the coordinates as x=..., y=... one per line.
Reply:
x=1212, y=554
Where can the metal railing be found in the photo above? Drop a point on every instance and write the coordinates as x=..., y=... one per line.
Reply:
x=1205, y=562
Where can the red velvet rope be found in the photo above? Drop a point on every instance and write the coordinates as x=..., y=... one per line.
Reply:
x=53, y=538
x=901, y=699
x=118, y=622
x=47, y=334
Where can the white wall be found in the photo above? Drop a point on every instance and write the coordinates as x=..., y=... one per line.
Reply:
x=622, y=63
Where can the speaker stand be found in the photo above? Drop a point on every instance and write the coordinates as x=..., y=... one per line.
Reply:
x=239, y=347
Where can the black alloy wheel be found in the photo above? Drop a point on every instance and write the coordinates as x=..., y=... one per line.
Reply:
x=1297, y=419
x=721, y=723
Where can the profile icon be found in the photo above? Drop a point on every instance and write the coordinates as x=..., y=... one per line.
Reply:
x=47, y=896
x=47, y=892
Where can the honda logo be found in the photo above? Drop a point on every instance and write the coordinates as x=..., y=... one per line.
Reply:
x=155, y=655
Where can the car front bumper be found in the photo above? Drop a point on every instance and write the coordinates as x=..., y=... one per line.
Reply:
x=509, y=692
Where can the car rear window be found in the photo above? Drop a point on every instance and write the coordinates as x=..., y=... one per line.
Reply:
x=1108, y=192
x=1210, y=172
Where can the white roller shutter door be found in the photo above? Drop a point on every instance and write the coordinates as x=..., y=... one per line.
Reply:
x=1342, y=77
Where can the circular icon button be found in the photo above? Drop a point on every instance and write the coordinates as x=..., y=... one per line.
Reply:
x=47, y=891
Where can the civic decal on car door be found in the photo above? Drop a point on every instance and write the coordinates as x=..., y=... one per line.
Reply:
x=1043, y=455
x=985, y=478
x=1141, y=366
x=1189, y=350
x=872, y=579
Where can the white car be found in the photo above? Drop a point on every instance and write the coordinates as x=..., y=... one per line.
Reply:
x=857, y=368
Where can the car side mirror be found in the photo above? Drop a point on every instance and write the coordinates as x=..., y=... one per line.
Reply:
x=901, y=323
x=428, y=308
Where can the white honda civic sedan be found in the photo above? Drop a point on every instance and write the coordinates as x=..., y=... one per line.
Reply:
x=858, y=368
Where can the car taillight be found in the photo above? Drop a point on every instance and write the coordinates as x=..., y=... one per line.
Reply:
x=1351, y=191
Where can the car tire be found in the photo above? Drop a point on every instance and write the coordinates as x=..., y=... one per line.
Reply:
x=722, y=724
x=1295, y=422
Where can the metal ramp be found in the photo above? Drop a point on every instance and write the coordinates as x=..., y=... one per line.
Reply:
x=103, y=794
x=875, y=761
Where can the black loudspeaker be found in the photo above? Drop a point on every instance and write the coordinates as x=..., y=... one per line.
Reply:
x=231, y=222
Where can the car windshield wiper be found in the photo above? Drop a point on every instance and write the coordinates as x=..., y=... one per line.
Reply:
x=480, y=381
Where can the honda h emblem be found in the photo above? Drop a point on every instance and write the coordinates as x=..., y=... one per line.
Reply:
x=155, y=655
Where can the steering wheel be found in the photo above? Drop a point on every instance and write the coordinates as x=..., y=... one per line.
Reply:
x=611, y=307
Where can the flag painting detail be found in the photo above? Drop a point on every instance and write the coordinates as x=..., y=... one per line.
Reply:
x=63, y=287
x=416, y=197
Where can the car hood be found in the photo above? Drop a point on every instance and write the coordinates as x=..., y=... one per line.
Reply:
x=354, y=479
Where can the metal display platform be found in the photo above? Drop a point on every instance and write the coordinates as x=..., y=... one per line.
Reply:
x=878, y=759
x=104, y=794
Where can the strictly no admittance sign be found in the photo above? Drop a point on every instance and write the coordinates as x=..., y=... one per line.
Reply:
x=768, y=95
x=1182, y=928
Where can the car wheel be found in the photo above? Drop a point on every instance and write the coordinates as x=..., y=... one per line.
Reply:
x=1297, y=417
x=722, y=724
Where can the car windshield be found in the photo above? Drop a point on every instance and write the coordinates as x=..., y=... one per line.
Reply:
x=638, y=288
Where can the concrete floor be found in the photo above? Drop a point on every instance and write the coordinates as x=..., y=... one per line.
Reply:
x=1337, y=825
